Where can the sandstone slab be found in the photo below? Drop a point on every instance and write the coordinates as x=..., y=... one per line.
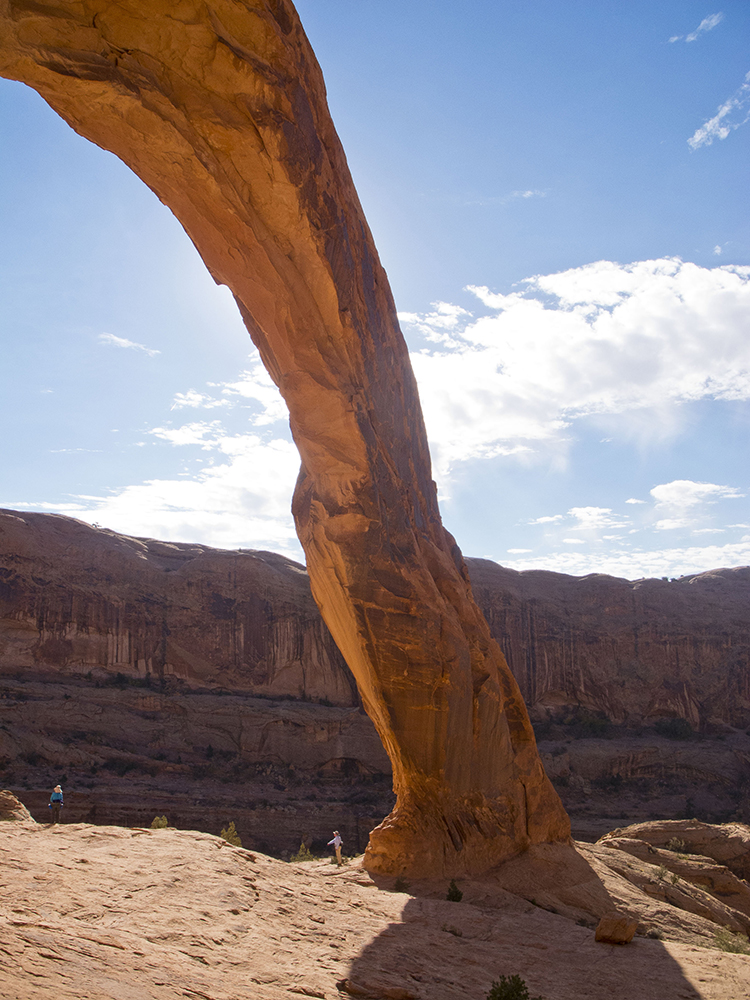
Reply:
x=109, y=913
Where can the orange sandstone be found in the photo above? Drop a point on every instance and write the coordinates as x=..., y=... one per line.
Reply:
x=220, y=108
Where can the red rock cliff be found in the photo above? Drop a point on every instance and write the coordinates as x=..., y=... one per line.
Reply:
x=220, y=108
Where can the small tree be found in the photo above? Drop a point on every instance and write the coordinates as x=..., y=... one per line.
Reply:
x=510, y=988
x=159, y=823
x=303, y=854
x=231, y=836
x=454, y=893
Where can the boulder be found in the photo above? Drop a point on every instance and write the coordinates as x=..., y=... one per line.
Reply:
x=616, y=928
x=12, y=809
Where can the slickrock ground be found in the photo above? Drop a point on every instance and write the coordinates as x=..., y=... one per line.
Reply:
x=107, y=913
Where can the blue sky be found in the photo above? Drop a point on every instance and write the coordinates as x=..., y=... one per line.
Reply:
x=558, y=194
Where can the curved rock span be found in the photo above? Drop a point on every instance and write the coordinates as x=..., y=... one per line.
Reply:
x=220, y=108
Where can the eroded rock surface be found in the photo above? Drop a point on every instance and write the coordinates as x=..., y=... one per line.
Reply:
x=103, y=912
x=81, y=600
x=630, y=650
x=220, y=108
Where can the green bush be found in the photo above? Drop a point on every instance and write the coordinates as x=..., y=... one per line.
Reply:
x=676, y=845
x=231, y=836
x=736, y=943
x=454, y=893
x=159, y=823
x=303, y=854
x=510, y=988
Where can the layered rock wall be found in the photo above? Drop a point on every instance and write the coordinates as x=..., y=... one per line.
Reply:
x=633, y=651
x=77, y=599
x=85, y=600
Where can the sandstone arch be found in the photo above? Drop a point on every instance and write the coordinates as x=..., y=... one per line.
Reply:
x=219, y=106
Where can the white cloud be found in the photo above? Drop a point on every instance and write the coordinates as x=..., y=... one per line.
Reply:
x=518, y=552
x=113, y=341
x=707, y=24
x=684, y=493
x=243, y=500
x=730, y=116
x=633, y=500
x=635, y=564
x=201, y=433
x=547, y=520
x=604, y=338
x=193, y=398
x=574, y=541
x=672, y=523
x=257, y=385
x=594, y=518
x=717, y=250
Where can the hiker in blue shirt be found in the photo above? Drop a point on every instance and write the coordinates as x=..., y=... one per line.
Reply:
x=56, y=804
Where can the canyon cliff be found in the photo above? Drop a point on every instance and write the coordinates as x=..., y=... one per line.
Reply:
x=170, y=678
x=220, y=108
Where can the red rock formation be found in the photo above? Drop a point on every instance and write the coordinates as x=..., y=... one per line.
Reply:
x=79, y=599
x=632, y=650
x=220, y=108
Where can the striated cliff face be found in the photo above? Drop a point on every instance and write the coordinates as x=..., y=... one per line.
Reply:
x=634, y=651
x=82, y=599
x=220, y=108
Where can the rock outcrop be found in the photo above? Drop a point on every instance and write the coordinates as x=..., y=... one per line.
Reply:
x=220, y=108
x=12, y=809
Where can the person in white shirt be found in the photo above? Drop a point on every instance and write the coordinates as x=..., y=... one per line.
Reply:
x=336, y=843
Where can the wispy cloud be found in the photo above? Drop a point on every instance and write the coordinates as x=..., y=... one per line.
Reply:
x=193, y=398
x=707, y=24
x=522, y=194
x=730, y=116
x=113, y=341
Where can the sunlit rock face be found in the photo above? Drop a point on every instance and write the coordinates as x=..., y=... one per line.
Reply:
x=220, y=108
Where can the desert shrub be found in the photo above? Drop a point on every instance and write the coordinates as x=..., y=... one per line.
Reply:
x=510, y=988
x=159, y=823
x=661, y=873
x=231, y=836
x=674, y=729
x=676, y=845
x=303, y=854
x=454, y=893
x=674, y=878
x=401, y=885
x=736, y=943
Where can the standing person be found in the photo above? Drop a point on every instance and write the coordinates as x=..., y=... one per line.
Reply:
x=337, y=842
x=56, y=804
